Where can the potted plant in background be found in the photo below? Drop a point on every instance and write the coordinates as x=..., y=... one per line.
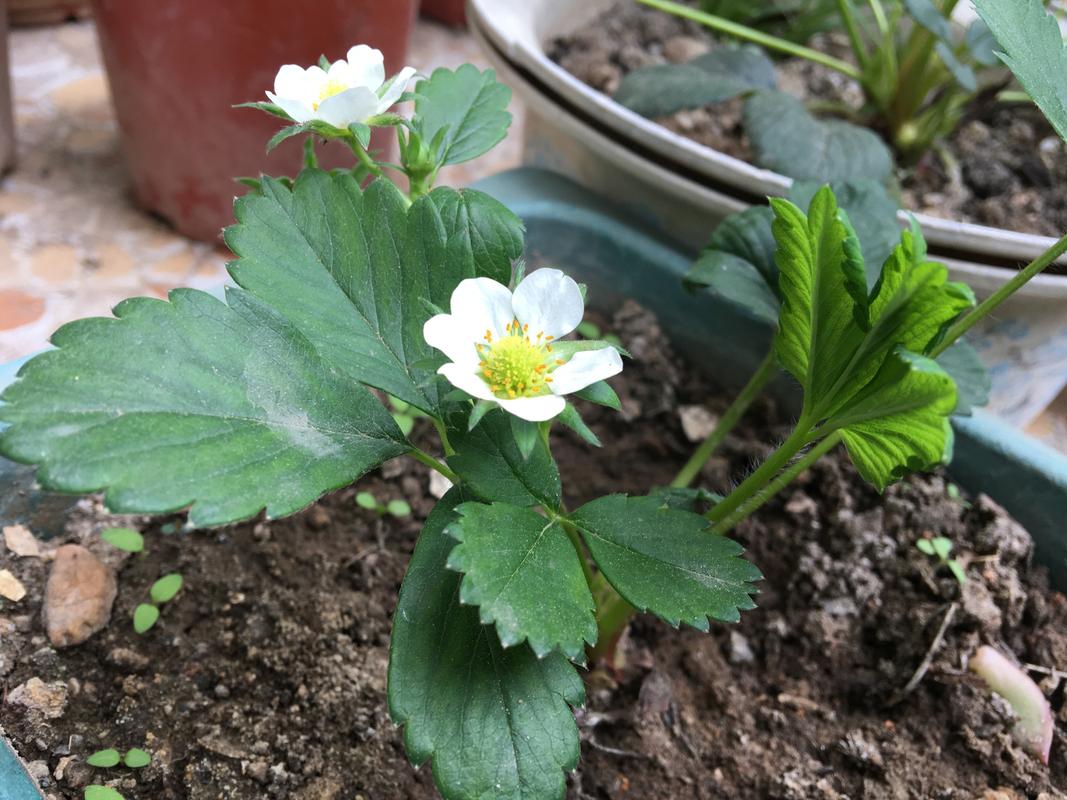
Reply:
x=685, y=187
x=177, y=68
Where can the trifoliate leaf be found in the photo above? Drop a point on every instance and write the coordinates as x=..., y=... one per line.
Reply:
x=226, y=409
x=899, y=423
x=667, y=561
x=491, y=465
x=145, y=616
x=354, y=270
x=165, y=589
x=104, y=759
x=495, y=723
x=124, y=539
x=1031, y=44
x=524, y=575
x=465, y=110
x=136, y=758
x=663, y=89
x=785, y=137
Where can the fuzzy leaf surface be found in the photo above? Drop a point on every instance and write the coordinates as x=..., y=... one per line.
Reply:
x=523, y=574
x=493, y=722
x=223, y=408
x=666, y=561
x=469, y=106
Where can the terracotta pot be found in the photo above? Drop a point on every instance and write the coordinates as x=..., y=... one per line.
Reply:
x=45, y=12
x=176, y=68
x=451, y=12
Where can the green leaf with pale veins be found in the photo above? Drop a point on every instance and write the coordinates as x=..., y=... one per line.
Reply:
x=973, y=382
x=667, y=561
x=662, y=89
x=785, y=137
x=494, y=723
x=1031, y=44
x=523, y=574
x=225, y=409
x=465, y=110
x=899, y=423
x=490, y=463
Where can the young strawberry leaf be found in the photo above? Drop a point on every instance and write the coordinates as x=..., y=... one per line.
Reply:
x=667, y=561
x=354, y=270
x=663, y=89
x=491, y=465
x=973, y=382
x=493, y=722
x=464, y=110
x=524, y=575
x=1031, y=44
x=226, y=409
x=785, y=137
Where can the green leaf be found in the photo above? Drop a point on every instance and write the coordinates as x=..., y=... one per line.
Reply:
x=899, y=423
x=982, y=44
x=398, y=508
x=925, y=546
x=942, y=546
x=490, y=463
x=667, y=561
x=1031, y=44
x=165, y=589
x=928, y=16
x=354, y=270
x=104, y=759
x=136, y=758
x=495, y=723
x=466, y=108
x=367, y=500
x=748, y=236
x=687, y=498
x=270, y=108
x=145, y=616
x=786, y=138
x=732, y=278
x=524, y=575
x=225, y=409
x=573, y=420
x=957, y=570
x=662, y=89
x=973, y=382
x=101, y=793
x=124, y=539
x=600, y=393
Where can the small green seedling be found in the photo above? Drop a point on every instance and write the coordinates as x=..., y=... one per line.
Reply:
x=102, y=793
x=396, y=508
x=940, y=548
x=135, y=758
x=404, y=414
x=124, y=539
x=146, y=615
x=954, y=493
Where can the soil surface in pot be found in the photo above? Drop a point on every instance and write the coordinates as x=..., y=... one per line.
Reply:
x=1003, y=167
x=265, y=677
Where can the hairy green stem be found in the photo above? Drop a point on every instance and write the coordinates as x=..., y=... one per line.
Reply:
x=727, y=422
x=364, y=157
x=756, y=37
x=434, y=464
x=571, y=530
x=443, y=433
x=983, y=309
x=612, y=615
x=784, y=479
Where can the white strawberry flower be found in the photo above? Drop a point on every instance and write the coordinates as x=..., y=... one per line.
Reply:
x=505, y=347
x=352, y=90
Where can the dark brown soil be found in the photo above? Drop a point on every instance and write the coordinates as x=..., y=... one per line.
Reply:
x=265, y=677
x=1004, y=166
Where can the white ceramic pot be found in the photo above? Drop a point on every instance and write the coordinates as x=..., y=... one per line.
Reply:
x=684, y=189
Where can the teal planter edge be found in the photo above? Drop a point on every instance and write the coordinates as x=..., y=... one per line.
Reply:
x=15, y=782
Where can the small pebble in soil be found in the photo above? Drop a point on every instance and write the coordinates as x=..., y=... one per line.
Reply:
x=78, y=596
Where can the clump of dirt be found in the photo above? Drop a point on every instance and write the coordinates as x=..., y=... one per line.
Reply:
x=1004, y=166
x=265, y=677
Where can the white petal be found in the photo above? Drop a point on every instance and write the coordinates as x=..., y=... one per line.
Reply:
x=534, y=409
x=586, y=367
x=549, y=301
x=351, y=105
x=396, y=88
x=465, y=379
x=295, y=83
x=368, y=66
x=481, y=304
x=298, y=111
x=452, y=338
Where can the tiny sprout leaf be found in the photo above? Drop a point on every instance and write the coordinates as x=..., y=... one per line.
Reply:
x=925, y=546
x=367, y=500
x=136, y=758
x=102, y=793
x=104, y=759
x=956, y=568
x=145, y=616
x=124, y=539
x=942, y=546
x=164, y=590
x=398, y=508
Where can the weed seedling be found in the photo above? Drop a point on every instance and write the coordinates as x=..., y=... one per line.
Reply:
x=940, y=547
x=395, y=508
x=146, y=615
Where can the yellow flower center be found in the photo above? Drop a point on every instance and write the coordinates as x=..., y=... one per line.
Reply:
x=330, y=88
x=517, y=364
